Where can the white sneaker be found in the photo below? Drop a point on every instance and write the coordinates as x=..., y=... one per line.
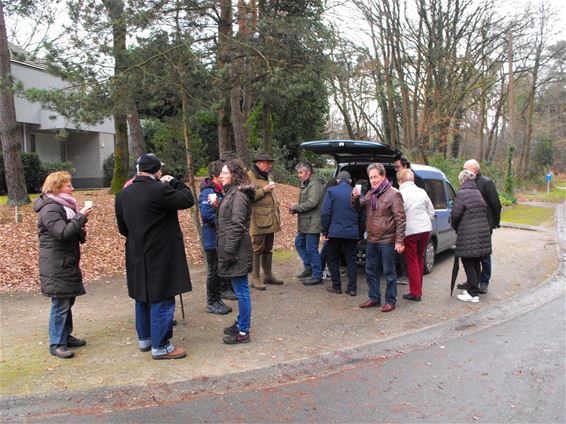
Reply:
x=404, y=280
x=466, y=297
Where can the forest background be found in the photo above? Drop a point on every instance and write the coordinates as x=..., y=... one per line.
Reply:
x=442, y=81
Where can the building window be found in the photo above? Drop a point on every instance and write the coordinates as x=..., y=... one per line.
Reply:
x=32, y=143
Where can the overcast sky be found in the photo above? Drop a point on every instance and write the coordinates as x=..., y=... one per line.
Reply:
x=339, y=14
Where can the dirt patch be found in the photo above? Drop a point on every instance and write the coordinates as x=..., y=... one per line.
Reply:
x=103, y=253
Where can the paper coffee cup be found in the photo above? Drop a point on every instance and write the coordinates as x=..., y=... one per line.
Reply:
x=88, y=203
x=358, y=187
x=212, y=198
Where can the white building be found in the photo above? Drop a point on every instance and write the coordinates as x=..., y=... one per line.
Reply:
x=86, y=147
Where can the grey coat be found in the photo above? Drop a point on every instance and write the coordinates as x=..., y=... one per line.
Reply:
x=309, y=206
x=233, y=231
x=469, y=219
x=59, y=249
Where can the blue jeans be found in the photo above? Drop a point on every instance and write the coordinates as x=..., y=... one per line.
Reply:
x=380, y=260
x=307, y=247
x=154, y=324
x=485, y=270
x=60, y=320
x=242, y=290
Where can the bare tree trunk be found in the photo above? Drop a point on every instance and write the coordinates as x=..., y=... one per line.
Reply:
x=115, y=10
x=240, y=92
x=139, y=146
x=267, y=127
x=525, y=154
x=343, y=108
x=481, y=124
x=491, y=140
x=538, y=51
x=195, y=212
x=511, y=96
x=238, y=125
x=11, y=147
x=224, y=38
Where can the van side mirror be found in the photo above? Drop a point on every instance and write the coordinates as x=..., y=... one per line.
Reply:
x=450, y=203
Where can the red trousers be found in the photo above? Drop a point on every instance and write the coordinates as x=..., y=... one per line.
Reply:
x=415, y=246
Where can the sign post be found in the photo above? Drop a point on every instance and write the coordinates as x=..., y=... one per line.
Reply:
x=548, y=179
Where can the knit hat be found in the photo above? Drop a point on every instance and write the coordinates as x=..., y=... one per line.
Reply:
x=149, y=163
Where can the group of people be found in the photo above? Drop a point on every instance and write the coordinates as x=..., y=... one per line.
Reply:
x=240, y=215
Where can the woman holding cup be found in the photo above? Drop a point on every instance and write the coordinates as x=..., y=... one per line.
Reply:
x=61, y=230
x=234, y=244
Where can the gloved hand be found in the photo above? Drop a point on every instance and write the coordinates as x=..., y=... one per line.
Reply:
x=230, y=258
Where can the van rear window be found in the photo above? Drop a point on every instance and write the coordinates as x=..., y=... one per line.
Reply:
x=435, y=190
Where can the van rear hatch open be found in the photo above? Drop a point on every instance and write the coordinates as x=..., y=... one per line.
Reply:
x=352, y=151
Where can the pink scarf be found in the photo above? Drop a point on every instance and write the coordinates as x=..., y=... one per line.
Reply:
x=67, y=201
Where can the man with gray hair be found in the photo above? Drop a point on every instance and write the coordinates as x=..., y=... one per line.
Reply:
x=309, y=225
x=386, y=233
x=491, y=197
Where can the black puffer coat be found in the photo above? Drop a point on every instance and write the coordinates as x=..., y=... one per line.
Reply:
x=469, y=219
x=233, y=231
x=59, y=249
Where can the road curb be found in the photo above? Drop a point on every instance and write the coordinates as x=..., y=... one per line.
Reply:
x=103, y=399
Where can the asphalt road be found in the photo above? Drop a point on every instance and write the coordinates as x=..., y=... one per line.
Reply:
x=510, y=372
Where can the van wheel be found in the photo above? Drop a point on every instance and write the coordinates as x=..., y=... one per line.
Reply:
x=429, y=257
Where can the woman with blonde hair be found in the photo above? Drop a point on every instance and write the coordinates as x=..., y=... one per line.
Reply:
x=61, y=230
x=419, y=213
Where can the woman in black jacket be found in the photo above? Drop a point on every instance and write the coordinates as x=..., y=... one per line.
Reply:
x=473, y=231
x=234, y=244
x=61, y=230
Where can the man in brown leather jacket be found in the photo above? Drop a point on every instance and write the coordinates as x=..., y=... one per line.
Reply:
x=385, y=234
x=265, y=220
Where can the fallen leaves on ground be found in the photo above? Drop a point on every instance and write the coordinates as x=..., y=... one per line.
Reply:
x=103, y=253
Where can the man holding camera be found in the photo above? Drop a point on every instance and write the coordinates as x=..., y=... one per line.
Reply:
x=156, y=264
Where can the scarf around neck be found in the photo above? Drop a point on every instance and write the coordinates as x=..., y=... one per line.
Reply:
x=377, y=192
x=265, y=175
x=67, y=201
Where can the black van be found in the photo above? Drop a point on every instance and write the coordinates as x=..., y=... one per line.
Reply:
x=354, y=156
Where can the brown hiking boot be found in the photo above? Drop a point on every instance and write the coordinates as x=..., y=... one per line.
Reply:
x=176, y=353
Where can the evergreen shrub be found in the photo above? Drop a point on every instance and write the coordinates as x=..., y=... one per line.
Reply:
x=35, y=171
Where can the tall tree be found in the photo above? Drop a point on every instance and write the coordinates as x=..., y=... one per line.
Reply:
x=115, y=11
x=11, y=146
x=222, y=60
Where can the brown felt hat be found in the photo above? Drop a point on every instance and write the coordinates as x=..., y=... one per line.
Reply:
x=263, y=156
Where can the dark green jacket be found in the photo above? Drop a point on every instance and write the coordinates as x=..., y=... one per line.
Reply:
x=310, y=203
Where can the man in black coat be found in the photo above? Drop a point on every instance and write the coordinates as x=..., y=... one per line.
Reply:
x=156, y=264
x=489, y=193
